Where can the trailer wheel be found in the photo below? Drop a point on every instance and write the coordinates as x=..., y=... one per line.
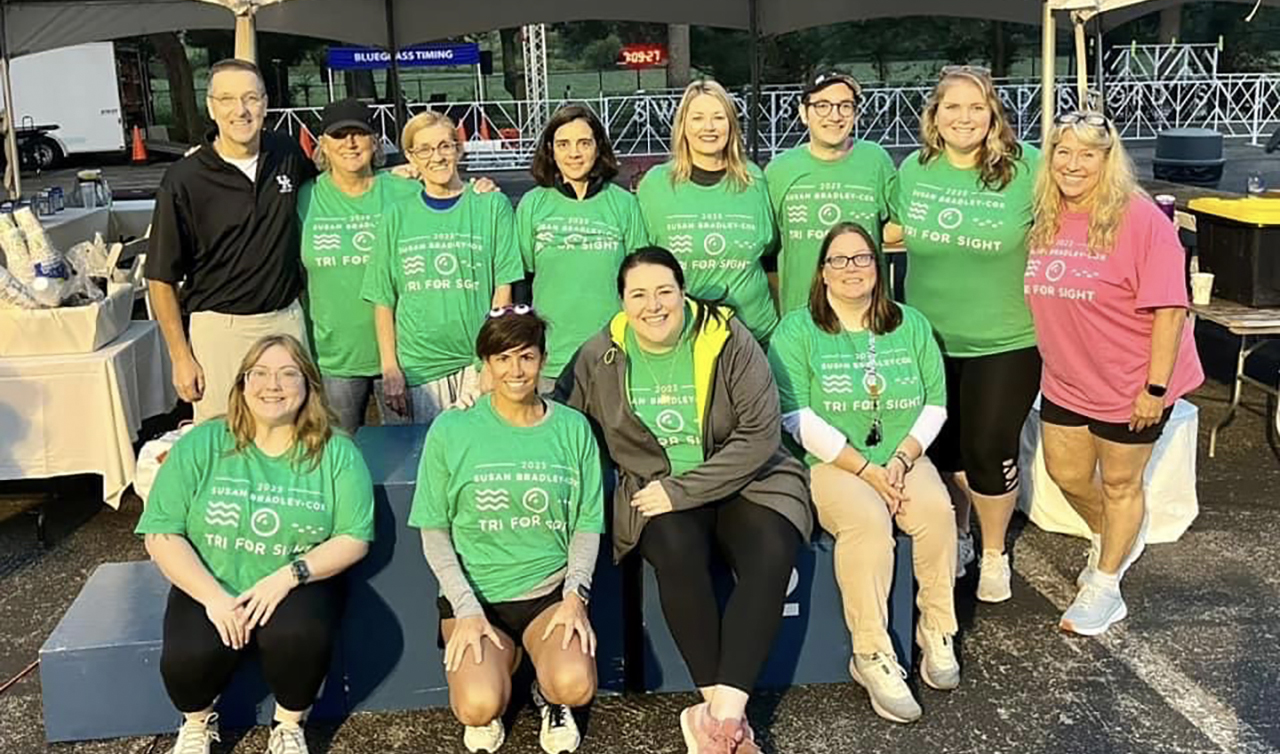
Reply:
x=46, y=153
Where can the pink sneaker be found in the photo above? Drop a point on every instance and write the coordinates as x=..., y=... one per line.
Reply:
x=694, y=725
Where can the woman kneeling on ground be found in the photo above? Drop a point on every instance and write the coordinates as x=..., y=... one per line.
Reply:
x=689, y=412
x=863, y=391
x=511, y=509
x=251, y=518
x=1108, y=293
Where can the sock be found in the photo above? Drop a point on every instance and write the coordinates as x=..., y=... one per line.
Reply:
x=1107, y=580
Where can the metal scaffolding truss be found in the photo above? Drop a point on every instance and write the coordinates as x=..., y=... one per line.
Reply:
x=534, y=37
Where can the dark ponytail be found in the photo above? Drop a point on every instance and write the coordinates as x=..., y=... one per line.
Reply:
x=708, y=309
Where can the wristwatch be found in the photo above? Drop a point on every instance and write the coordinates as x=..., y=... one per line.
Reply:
x=1156, y=391
x=583, y=592
x=301, y=573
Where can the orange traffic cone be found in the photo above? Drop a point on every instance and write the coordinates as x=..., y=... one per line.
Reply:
x=307, y=142
x=484, y=128
x=139, y=146
x=462, y=134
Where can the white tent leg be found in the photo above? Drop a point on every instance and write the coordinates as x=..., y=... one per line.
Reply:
x=246, y=38
x=13, y=166
x=1047, y=66
x=1082, y=65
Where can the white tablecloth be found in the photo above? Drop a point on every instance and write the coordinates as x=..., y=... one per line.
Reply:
x=75, y=224
x=80, y=413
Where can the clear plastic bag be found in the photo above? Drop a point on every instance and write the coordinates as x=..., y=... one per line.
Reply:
x=13, y=294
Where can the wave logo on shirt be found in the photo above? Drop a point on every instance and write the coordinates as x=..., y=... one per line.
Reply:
x=837, y=383
x=265, y=522
x=829, y=214
x=223, y=514
x=714, y=244
x=670, y=421
x=797, y=214
x=492, y=500
x=536, y=500
x=415, y=265
x=682, y=244
x=363, y=241
x=326, y=241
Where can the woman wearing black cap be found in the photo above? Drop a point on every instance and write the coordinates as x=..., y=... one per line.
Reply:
x=340, y=212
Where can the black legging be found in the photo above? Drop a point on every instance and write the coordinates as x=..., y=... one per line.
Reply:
x=988, y=398
x=294, y=648
x=760, y=546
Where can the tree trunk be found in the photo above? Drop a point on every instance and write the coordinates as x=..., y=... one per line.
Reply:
x=1170, y=23
x=999, y=50
x=360, y=84
x=512, y=72
x=187, y=120
x=678, y=54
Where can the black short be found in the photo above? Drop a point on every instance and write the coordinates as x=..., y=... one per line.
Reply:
x=1117, y=432
x=513, y=617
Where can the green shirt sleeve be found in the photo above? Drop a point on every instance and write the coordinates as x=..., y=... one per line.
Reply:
x=304, y=198
x=789, y=362
x=379, y=279
x=176, y=485
x=431, y=504
x=507, y=265
x=353, y=492
x=524, y=229
x=646, y=199
x=635, y=234
x=591, y=508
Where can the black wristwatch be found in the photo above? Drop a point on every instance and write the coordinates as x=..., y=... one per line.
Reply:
x=1156, y=391
x=301, y=573
x=583, y=592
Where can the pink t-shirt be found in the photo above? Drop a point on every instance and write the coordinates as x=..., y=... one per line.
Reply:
x=1093, y=314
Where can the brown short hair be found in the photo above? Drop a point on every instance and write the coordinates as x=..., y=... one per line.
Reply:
x=883, y=316
x=544, y=168
x=236, y=64
x=515, y=327
x=312, y=427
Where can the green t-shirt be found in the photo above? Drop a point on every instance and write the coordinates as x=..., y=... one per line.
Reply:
x=438, y=270
x=574, y=249
x=510, y=497
x=248, y=514
x=828, y=374
x=662, y=393
x=810, y=195
x=338, y=233
x=719, y=235
x=967, y=253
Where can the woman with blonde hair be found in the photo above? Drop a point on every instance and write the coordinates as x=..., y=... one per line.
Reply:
x=1106, y=289
x=710, y=207
x=440, y=262
x=964, y=202
x=252, y=517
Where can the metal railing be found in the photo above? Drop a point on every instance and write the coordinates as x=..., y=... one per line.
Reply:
x=503, y=134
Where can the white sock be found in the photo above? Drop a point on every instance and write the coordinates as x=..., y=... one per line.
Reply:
x=1107, y=580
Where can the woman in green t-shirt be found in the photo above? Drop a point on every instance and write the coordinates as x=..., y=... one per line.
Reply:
x=710, y=207
x=689, y=410
x=511, y=510
x=574, y=229
x=440, y=261
x=252, y=517
x=964, y=202
x=861, y=385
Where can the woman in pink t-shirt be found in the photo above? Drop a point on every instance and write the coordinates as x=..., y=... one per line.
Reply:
x=1106, y=288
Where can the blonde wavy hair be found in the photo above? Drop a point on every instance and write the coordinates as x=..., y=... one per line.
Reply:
x=312, y=427
x=1116, y=188
x=422, y=121
x=1000, y=151
x=735, y=156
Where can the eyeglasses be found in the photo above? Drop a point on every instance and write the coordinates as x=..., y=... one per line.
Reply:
x=1088, y=118
x=502, y=311
x=973, y=70
x=227, y=101
x=285, y=376
x=444, y=149
x=858, y=260
x=823, y=107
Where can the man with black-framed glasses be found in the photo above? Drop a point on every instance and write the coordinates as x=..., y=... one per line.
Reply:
x=829, y=179
x=226, y=229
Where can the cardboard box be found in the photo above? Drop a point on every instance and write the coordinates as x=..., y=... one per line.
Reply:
x=73, y=329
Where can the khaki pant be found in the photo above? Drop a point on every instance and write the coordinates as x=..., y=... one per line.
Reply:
x=220, y=341
x=854, y=513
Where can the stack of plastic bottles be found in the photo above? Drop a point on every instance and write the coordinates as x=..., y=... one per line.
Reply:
x=37, y=275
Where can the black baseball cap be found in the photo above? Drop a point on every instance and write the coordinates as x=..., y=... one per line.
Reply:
x=823, y=79
x=346, y=113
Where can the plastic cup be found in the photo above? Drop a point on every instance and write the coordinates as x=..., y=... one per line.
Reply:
x=1201, y=288
x=1167, y=204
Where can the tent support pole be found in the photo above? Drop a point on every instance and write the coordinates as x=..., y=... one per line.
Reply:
x=1100, y=61
x=753, y=116
x=393, y=73
x=1048, y=54
x=12, y=163
x=247, y=37
x=1082, y=64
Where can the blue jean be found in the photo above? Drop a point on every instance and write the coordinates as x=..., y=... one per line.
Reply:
x=349, y=399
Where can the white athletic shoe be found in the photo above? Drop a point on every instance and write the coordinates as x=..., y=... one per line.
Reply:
x=939, y=668
x=197, y=736
x=287, y=738
x=484, y=738
x=1095, y=551
x=559, y=733
x=993, y=577
x=886, y=684
x=1094, y=610
x=964, y=553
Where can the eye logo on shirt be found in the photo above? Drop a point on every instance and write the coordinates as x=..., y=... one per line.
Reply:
x=714, y=245
x=446, y=264
x=286, y=185
x=363, y=241
x=829, y=214
x=950, y=218
x=536, y=500
x=670, y=421
x=1056, y=269
x=265, y=522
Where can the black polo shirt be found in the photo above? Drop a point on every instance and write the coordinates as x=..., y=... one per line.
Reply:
x=234, y=244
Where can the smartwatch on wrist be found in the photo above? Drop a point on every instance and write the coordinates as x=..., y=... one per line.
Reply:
x=301, y=573
x=1156, y=391
x=583, y=593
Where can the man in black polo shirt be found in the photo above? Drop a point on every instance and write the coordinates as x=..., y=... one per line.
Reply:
x=226, y=229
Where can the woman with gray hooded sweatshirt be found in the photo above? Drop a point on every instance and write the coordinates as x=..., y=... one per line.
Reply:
x=689, y=411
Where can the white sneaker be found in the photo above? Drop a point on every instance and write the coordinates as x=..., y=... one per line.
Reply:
x=886, y=684
x=197, y=736
x=993, y=577
x=484, y=738
x=559, y=733
x=287, y=738
x=964, y=553
x=939, y=668
x=1094, y=610
x=1095, y=551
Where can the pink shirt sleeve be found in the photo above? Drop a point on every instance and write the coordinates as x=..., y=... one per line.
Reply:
x=1159, y=259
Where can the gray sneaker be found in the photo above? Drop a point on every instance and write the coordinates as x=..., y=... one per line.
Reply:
x=197, y=736
x=1094, y=610
x=484, y=738
x=939, y=668
x=886, y=684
